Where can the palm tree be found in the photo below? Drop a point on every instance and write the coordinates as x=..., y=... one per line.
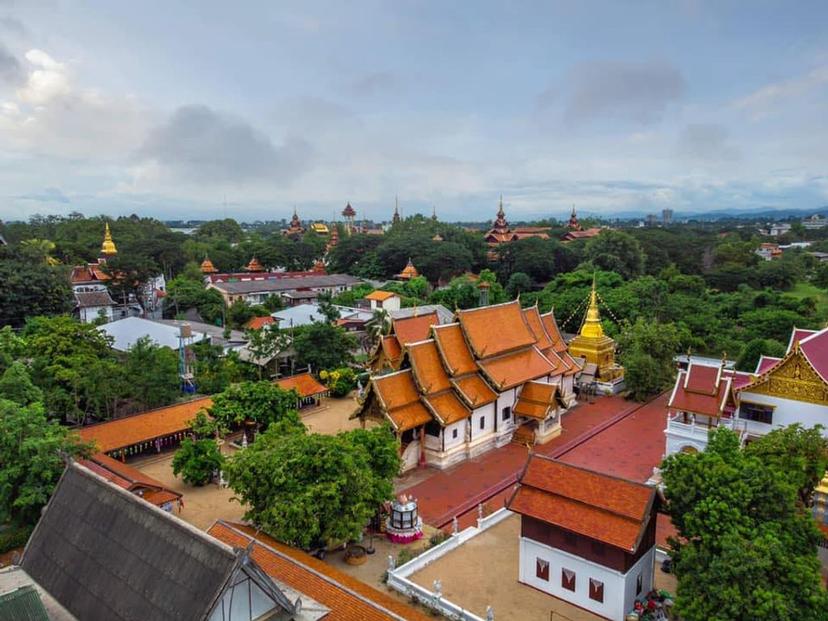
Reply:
x=378, y=326
x=40, y=249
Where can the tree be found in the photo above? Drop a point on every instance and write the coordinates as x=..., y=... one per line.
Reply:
x=327, y=308
x=32, y=451
x=647, y=350
x=746, y=549
x=340, y=381
x=215, y=370
x=28, y=289
x=197, y=460
x=755, y=349
x=260, y=402
x=184, y=294
x=309, y=489
x=228, y=230
x=615, y=251
x=16, y=385
x=266, y=343
x=153, y=374
x=323, y=346
x=518, y=283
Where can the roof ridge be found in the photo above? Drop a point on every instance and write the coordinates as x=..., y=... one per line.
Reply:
x=595, y=472
x=153, y=410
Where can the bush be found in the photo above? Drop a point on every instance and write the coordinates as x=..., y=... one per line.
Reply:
x=14, y=537
x=196, y=461
x=340, y=381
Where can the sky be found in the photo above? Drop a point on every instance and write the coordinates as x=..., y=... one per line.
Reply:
x=208, y=109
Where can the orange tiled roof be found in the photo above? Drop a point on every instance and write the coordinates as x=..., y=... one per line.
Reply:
x=414, y=328
x=494, y=330
x=536, y=400
x=392, y=350
x=474, y=390
x=512, y=369
x=257, y=323
x=452, y=345
x=304, y=383
x=427, y=366
x=347, y=598
x=446, y=407
x=124, y=432
x=380, y=296
x=701, y=390
x=87, y=273
x=551, y=327
x=533, y=319
x=608, y=509
x=409, y=416
x=400, y=400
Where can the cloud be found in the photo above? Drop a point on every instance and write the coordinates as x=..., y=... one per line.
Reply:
x=764, y=101
x=48, y=80
x=199, y=144
x=48, y=195
x=13, y=25
x=638, y=92
x=374, y=83
x=10, y=70
x=706, y=141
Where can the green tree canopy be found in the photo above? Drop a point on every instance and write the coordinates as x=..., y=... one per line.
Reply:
x=152, y=372
x=647, y=350
x=16, y=385
x=261, y=402
x=755, y=349
x=746, y=548
x=323, y=346
x=197, y=460
x=311, y=489
x=32, y=451
x=28, y=289
x=615, y=251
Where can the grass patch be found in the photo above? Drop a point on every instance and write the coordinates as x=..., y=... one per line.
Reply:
x=808, y=290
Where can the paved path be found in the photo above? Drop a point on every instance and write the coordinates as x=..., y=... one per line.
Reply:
x=490, y=477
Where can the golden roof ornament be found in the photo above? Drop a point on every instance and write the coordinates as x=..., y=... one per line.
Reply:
x=591, y=328
x=108, y=246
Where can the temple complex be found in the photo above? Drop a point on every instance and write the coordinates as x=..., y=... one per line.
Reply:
x=295, y=228
x=349, y=214
x=576, y=231
x=396, y=219
x=597, y=350
x=457, y=390
x=92, y=299
x=780, y=392
x=502, y=233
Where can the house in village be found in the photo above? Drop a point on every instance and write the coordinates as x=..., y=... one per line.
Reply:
x=586, y=537
x=780, y=392
x=100, y=552
x=457, y=390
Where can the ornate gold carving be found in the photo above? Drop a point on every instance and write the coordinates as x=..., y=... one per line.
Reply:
x=794, y=379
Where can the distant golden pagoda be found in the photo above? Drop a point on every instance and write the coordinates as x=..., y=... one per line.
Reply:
x=108, y=246
x=594, y=346
x=408, y=272
x=207, y=266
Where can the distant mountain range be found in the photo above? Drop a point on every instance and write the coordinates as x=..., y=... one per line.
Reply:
x=762, y=213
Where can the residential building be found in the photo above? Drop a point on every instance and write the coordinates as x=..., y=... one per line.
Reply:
x=385, y=300
x=94, y=305
x=126, y=332
x=666, y=217
x=780, y=392
x=815, y=221
x=775, y=229
x=586, y=537
x=769, y=251
x=457, y=390
x=306, y=314
x=257, y=291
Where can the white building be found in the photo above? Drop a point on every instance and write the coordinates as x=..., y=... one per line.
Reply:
x=126, y=332
x=815, y=221
x=385, y=300
x=586, y=538
x=780, y=392
x=257, y=291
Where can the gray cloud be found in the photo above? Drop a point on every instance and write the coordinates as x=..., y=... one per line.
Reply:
x=202, y=145
x=10, y=69
x=374, y=83
x=706, y=141
x=13, y=25
x=638, y=92
x=48, y=195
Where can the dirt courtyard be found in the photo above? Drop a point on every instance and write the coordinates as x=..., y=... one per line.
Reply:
x=332, y=416
x=468, y=580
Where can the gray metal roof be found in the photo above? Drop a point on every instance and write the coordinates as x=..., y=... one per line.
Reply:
x=92, y=299
x=443, y=314
x=104, y=553
x=287, y=284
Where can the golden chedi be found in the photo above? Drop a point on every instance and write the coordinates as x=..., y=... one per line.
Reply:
x=594, y=346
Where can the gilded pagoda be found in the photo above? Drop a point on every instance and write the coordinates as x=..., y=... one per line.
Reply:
x=596, y=348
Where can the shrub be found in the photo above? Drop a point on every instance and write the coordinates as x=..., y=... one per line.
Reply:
x=196, y=461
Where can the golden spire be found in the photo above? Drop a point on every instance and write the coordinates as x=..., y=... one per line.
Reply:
x=591, y=327
x=108, y=246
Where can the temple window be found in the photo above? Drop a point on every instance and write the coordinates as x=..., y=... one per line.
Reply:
x=482, y=422
x=506, y=413
x=454, y=433
x=542, y=569
x=596, y=590
x=567, y=579
x=639, y=583
x=756, y=412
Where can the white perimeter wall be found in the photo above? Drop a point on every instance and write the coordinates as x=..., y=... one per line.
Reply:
x=619, y=589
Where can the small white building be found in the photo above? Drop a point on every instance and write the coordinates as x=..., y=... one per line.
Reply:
x=586, y=538
x=385, y=300
x=94, y=305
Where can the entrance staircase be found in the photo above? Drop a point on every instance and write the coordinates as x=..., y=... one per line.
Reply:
x=525, y=434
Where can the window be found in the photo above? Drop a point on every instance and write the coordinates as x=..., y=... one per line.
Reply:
x=506, y=413
x=454, y=433
x=482, y=422
x=542, y=569
x=756, y=412
x=568, y=579
x=596, y=590
x=639, y=583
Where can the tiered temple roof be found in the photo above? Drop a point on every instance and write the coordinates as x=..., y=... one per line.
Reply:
x=703, y=390
x=207, y=266
x=254, y=266
x=454, y=368
x=409, y=271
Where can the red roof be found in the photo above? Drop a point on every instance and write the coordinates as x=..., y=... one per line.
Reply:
x=304, y=383
x=536, y=400
x=400, y=400
x=799, y=334
x=533, y=319
x=347, y=598
x=392, y=350
x=702, y=389
x=130, y=479
x=144, y=427
x=257, y=323
x=414, y=328
x=605, y=508
x=496, y=329
x=513, y=369
x=765, y=364
x=815, y=348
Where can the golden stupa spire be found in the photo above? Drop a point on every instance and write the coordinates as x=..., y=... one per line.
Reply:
x=108, y=246
x=591, y=327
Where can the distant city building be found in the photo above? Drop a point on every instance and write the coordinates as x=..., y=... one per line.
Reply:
x=776, y=229
x=652, y=219
x=666, y=217
x=816, y=221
